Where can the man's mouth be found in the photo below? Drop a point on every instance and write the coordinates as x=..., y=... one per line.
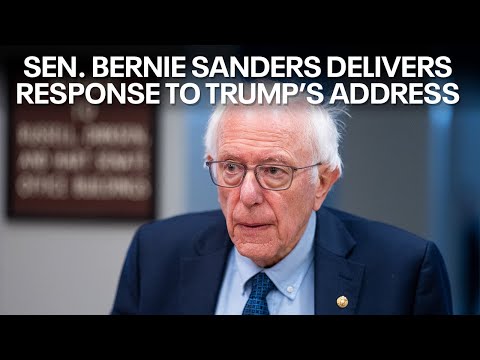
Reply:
x=252, y=225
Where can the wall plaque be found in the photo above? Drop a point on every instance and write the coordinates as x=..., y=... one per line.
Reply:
x=80, y=160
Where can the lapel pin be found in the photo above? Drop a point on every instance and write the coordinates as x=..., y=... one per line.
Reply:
x=342, y=302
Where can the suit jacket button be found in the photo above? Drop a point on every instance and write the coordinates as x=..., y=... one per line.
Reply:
x=342, y=302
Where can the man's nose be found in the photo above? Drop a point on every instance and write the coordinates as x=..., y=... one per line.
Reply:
x=251, y=192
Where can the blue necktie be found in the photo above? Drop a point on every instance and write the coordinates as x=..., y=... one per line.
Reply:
x=257, y=303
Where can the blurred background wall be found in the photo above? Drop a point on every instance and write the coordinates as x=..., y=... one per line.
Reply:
x=415, y=167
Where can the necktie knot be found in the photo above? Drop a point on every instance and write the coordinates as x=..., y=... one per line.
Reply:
x=257, y=303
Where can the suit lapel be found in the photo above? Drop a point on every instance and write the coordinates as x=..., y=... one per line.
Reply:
x=200, y=281
x=201, y=276
x=335, y=275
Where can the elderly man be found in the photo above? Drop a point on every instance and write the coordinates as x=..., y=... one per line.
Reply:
x=273, y=248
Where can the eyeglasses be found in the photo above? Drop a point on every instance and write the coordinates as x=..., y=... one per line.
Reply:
x=230, y=174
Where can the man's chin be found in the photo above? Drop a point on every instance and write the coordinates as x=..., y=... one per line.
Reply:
x=261, y=253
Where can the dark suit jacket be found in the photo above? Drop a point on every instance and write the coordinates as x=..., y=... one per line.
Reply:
x=176, y=266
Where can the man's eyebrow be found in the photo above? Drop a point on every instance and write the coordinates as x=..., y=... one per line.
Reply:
x=278, y=159
x=227, y=156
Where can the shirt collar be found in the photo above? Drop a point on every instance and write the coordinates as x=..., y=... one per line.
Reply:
x=288, y=274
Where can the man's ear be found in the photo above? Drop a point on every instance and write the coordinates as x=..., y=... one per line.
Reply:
x=326, y=180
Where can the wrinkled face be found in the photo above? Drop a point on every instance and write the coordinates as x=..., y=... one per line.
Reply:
x=266, y=225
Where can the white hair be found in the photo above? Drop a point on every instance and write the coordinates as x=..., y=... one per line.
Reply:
x=321, y=129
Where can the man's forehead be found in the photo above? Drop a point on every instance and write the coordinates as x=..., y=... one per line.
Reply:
x=263, y=134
